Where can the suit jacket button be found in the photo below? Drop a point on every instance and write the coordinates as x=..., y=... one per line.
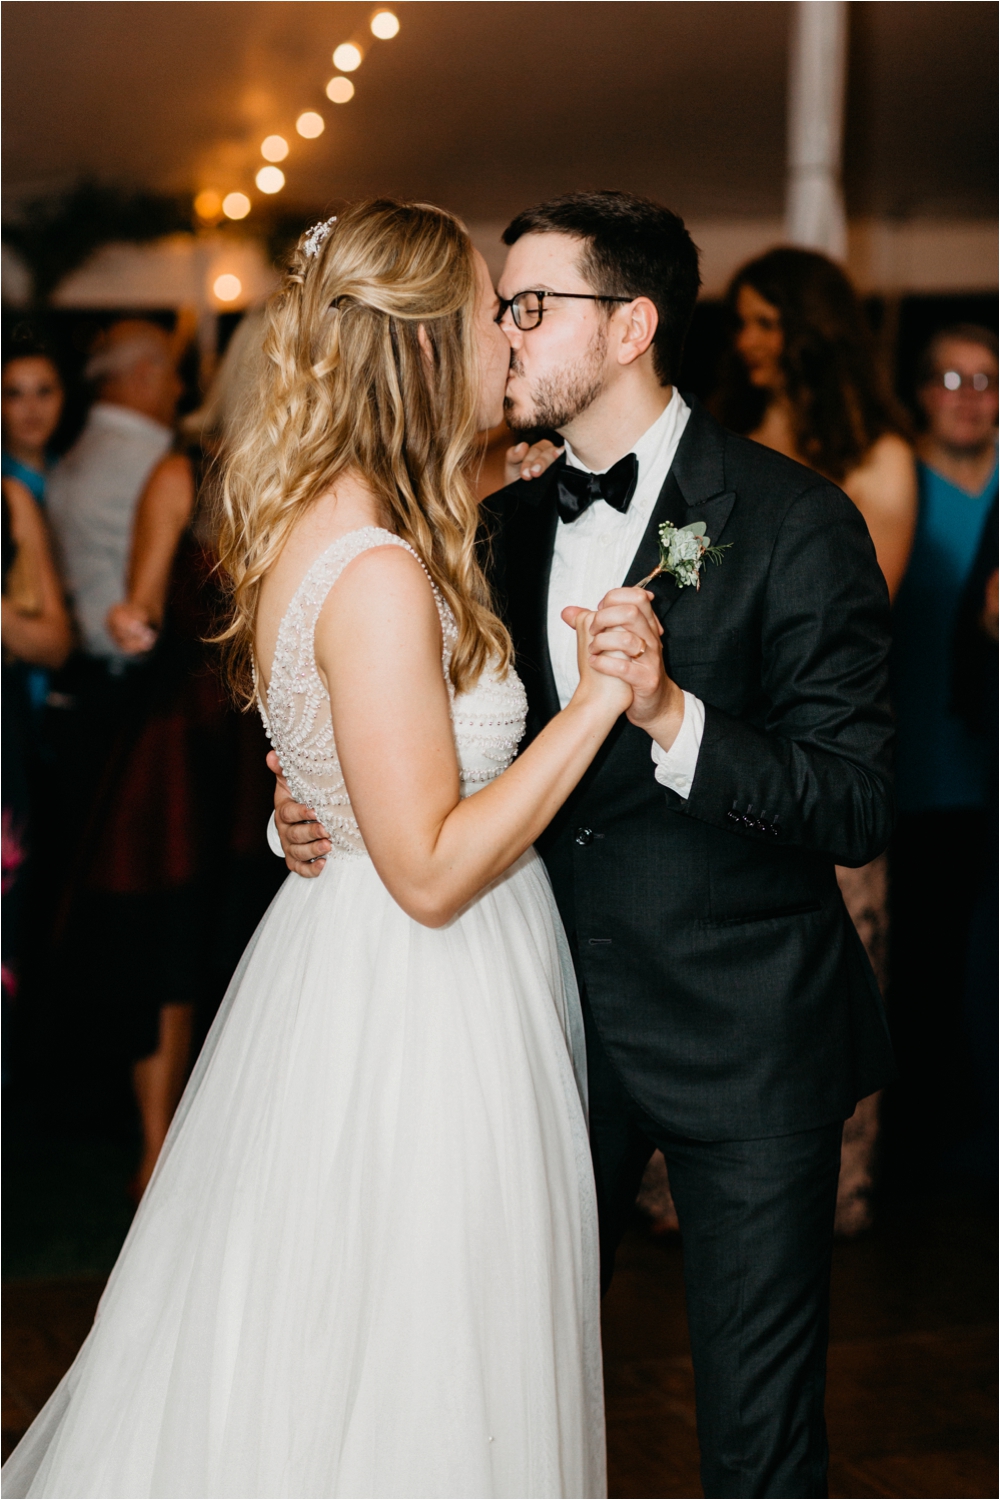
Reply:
x=584, y=836
x=732, y=816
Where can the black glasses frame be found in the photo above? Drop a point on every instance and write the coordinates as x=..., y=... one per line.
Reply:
x=508, y=303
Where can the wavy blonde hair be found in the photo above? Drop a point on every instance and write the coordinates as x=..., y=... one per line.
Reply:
x=346, y=385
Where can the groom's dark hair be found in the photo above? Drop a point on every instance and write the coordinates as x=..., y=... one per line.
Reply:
x=632, y=248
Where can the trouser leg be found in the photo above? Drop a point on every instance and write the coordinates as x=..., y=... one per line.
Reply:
x=619, y=1147
x=756, y=1221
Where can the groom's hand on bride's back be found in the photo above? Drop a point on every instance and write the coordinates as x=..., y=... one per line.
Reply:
x=303, y=840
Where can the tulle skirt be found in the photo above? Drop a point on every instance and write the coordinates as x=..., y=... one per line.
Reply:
x=367, y=1263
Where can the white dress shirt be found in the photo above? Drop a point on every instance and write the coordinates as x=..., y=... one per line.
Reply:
x=593, y=554
x=91, y=500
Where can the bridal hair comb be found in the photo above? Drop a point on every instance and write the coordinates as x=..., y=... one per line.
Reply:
x=317, y=237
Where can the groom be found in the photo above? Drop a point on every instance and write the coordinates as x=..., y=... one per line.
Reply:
x=732, y=1018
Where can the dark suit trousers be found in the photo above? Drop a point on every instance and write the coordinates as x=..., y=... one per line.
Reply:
x=757, y=1225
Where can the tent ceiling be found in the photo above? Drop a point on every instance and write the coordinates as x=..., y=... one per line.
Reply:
x=487, y=106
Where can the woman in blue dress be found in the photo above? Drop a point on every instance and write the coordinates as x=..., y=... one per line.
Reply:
x=943, y=761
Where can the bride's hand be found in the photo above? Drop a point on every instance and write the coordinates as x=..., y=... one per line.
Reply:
x=596, y=683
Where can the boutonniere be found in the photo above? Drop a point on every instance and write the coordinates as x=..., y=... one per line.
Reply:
x=683, y=549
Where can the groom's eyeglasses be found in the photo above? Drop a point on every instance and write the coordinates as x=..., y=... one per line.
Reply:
x=527, y=308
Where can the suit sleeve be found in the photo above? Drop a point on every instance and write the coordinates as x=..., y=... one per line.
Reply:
x=812, y=769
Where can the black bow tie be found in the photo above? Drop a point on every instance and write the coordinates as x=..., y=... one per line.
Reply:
x=576, y=490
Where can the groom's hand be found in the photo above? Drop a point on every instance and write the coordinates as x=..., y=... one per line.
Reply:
x=303, y=839
x=626, y=642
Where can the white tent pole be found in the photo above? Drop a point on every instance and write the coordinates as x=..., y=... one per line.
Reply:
x=817, y=74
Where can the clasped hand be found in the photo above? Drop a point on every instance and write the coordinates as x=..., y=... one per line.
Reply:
x=626, y=643
x=619, y=652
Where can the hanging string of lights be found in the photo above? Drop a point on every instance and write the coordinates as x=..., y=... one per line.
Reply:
x=210, y=204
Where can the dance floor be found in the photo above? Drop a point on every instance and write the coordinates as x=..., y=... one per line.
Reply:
x=911, y=1401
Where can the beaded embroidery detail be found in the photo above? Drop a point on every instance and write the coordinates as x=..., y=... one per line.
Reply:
x=488, y=719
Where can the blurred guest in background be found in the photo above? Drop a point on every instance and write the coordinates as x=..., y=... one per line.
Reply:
x=802, y=378
x=36, y=631
x=94, y=491
x=31, y=404
x=945, y=751
x=99, y=696
x=175, y=897
x=92, y=497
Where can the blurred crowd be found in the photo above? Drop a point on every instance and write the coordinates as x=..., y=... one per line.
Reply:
x=136, y=795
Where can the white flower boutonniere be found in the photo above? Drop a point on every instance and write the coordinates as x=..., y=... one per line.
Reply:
x=683, y=549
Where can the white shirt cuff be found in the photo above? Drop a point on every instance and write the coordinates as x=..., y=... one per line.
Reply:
x=675, y=767
x=273, y=841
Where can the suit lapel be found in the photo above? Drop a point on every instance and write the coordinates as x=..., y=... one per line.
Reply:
x=694, y=490
x=529, y=542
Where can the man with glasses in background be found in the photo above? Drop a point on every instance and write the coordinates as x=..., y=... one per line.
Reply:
x=945, y=765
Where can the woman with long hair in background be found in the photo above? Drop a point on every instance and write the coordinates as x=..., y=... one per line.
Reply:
x=367, y=1262
x=802, y=378
x=37, y=634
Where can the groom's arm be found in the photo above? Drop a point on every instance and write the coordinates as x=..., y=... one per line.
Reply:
x=816, y=773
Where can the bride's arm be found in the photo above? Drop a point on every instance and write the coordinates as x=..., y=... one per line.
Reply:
x=378, y=646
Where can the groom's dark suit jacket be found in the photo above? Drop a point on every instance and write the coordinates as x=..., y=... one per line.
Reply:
x=720, y=966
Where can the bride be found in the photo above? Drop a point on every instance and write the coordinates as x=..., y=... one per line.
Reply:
x=366, y=1264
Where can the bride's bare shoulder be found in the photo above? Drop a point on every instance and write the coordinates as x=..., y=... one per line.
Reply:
x=385, y=586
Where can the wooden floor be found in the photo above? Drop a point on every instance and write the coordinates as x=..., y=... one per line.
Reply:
x=911, y=1399
x=911, y=1394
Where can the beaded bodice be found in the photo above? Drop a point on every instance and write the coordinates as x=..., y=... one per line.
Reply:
x=487, y=719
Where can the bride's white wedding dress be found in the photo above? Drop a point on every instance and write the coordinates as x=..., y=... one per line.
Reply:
x=367, y=1262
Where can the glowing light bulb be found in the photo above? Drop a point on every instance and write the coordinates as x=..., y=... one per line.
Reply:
x=347, y=57
x=207, y=204
x=270, y=179
x=310, y=124
x=236, y=205
x=227, y=288
x=340, y=90
x=274, y=148
x=384, y=25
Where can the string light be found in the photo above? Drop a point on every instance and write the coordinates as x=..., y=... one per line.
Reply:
x=208, y=204
x=340, y=90
x=270, y=179
x=236, y=205
x=274, y=148
x=384, y=25
x=310, y=124
x=347, y=57
x=227, y=288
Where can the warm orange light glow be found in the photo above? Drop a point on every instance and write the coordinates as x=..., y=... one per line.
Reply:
x=227, y=288
x=270, y=179
x=208, y=204
x=274, y=148
x=310, y=124
x=340, y=90
x=347, y=57
x=384, y=25
x=236, y=205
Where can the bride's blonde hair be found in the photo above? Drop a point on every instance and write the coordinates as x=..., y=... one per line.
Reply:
x=345, y=384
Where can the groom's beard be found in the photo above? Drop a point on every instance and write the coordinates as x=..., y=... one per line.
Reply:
x=555, y=400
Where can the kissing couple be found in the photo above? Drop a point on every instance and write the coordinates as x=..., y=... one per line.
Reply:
x=581, y=796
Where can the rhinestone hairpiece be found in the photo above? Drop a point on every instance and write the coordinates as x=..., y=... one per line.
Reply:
x=317, y=237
